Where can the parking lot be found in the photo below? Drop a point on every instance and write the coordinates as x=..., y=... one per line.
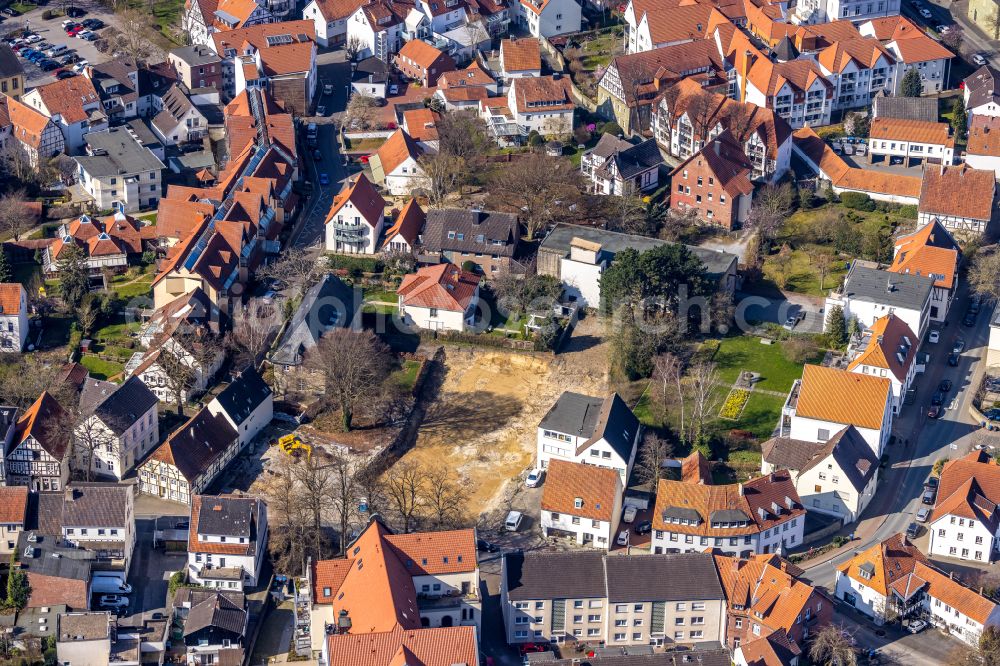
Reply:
x=51, y=33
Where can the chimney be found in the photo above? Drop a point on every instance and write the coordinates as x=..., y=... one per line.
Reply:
x=343, y=622
x=70, y=494
x=741, y=489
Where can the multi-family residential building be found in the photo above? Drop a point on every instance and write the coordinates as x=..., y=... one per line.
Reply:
x=959, y=197
x=489, y=239
x=887, y=349
x=73, y=105
x=591, y=597
x=444, y=297
x=378, y=27
x=215, y=624
x=822, y=11
x=404, y=234
x=912, y=48
x=355, y=222
x=542, y=104
x=714, y=184
x=894, y=579
x=762, y=515
x=581, y=502
x=395, y=164
x=112, y=242
x=910, y=142
x=197, y=66
x=930, y=250
x=982, y=150
x=180, y=120
x=590, y=430
x=13, y=516
x=668, y=25
x=796, y=90
x=827, y=399
x=615, y=166
x=38, y=456
x=30, y=131
x=764, y=597
x=858, y=69
x=869, y=293
x=227, y=541
x=190, y=458
x=579, y=255
x=520, y=57
x=122, y=426
x=247, y=403
x=548, y=18
x=414, y=594
x=981, y=93
x=330, y=18
x=13, y=317
x=419, y=61
x=97, y=517
x=966, y=522
x=232, y=45
x=201, y=357
x=285, y=68
x=58, y=572
x=836, y=477
x=686, y=118
x=118, y=172
x=85, y=638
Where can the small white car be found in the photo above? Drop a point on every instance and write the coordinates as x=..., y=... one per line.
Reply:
x=623, y=538
x=926, y=13
x=923, y=514
x=933, y=337
x=321, y=110
x=113, y=601
x=513, y=521
x=978, y=59
x=942, y=29
x=534, y=478
x=630, y=512
x=916, y=626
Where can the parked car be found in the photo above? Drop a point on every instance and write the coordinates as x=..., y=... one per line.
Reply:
x=937, y=398
x=974, y=304
x=645, y=527
x=7, y=11
x=992, y=414
x=622, y=538
x=928, y=496
x=931, y=482
x=978, y=59
x=912, y=530
x=317, y=155
x=93, y=23
x=113, y=601
x=793, y=321
x=75, y=12
x=969, y=320
x=320, y=110
x=324, y=179
x=534, y=478
x=926, y=13
x=916, y=626
x=630, y=512
x=953, y=360
x=944, y=386
x=934, y=412
x=485, y=546
x=923, y=514
x=959, y=346
x=513, y=521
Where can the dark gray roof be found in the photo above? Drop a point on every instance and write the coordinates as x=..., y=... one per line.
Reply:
x=176, y=103
x=378, y=70
x=471, y=231
x=866, y=283
x=558, y=241
x=217, y=611
x=633, y=160
x=244, y=395
x=728, y=516
x=696, y=656
x=573, y=414
x=684, y=576
x=905, y=108
x=228, y=516
x=94, y=392
x=114, y=152
x=72, y=563
x=140, y=130
x=327, y=301
x=608, y=144
x=983, y=86
x=9, y=64
x=192, y=596
x=195, y=55
x=617, y=425
x=849, y=450
x=785, y=50
x=681, y=513
x=548, y=575
x=122, y=408
x=84, y=505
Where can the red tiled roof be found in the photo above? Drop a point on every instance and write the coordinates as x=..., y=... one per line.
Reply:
x=445, y=287
x=408, y=225
x=10, y=297
x=597, y=488
x=363, y=196
x=42, y=421
x=13, y=504
x=958, y=191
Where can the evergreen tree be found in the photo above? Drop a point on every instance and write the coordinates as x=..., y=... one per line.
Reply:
x=18, y=589
x=959, y=121
x=836, y=326
x=6, y=274
x=74, y=277
x=911, y=85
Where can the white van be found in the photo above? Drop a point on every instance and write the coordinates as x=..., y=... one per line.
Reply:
x=513, y=521
x=109, y=585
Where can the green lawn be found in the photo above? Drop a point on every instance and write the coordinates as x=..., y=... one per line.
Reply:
x=166, y=15
x=747, y=353
x=141, y=287
x=99, y=368
x=379, y=308
x=385, y=295
x=117, y=331
x=406, y=376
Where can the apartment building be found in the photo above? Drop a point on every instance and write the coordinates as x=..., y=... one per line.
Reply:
x=714, y=184
x=13, y=317
x=965, y=524
x=227, y=542
x=796, y=90
x=887, y=349
x=590, y=597
x=868, y=293
x=582, y=503
x=930, y=250
x=119, y=173
x=356, y=219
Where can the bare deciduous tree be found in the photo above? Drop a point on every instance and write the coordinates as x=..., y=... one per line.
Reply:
x=15, y=217
x=668, y=373
x=134, y=38
x=361, y=111
x=541, y=190
x=354, y=365
x=353, y=47
x=822, y=262
x=702, y=384
x=296, y=268
x=404, y=489
x=833, y=646
x=984, y=274
x=253, y=325
x=649, y=462
x=442, y=175
x=88, y=436
x=345, y=471
x=288, y=522
x=443, y=497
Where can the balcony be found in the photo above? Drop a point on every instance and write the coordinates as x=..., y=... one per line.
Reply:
x=433, y=602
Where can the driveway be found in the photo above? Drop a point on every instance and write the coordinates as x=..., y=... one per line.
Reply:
x=149, y=575
x=752, y=308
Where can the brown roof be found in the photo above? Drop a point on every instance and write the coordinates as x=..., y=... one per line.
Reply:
x=27, y=123
x=363, y=196
x=644, y=75
x=466, y=94
x=921, y=48
x=177, y=218
x=683, y=22
x=440, y=646
x=952, y=593
x=886, y=345
x=928, y=251
x=965, y=480
x=333, y=10
x=520, y=55
x=409, y=223
x=542, y=94
x=287, y=59
x=421, y=124
x=420, y=52
x=919, y=131
x=768, y=587
x=769, y=77
x=435, y=553
x=445, y=286
x=887, y=561
x=840, y=396
x=13, y=504
x=42, y=421
x=566, y=482
x=695, y=469
x=473, y=75
x=984, y=136
x=396, y=149
x=56, y=590
x=752, y=503
x=895, y=28
x=10, y=297
x=725, y=158
x=67, y=97
x=864, y=51
x=959, y=191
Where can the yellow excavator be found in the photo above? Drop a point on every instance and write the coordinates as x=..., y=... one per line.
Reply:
x=293, y=445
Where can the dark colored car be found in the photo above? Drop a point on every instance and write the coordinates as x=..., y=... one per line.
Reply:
x=485, y=546
x=645, y=527
x=93, y=23
x=928, y=496
x=49, y=65
x=90, y=37
x=953, y=359
x=992, y=414
x=937, y=398
x=317, y=155
x=934, y=412
x=931, y=482
x=970, y=319
x=65, y=74
x=913, y=530
x=944, y=386
x=75, y=12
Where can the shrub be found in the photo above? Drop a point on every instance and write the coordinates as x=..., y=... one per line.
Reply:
x=857, y=201
x=47, y=15
x=908, y=211
x=838, y=541
x=535, y=139
x=356, y=265
x=612, y=128
x=469, y=266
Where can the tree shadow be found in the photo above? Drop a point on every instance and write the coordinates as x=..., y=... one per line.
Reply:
x=480, y=411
